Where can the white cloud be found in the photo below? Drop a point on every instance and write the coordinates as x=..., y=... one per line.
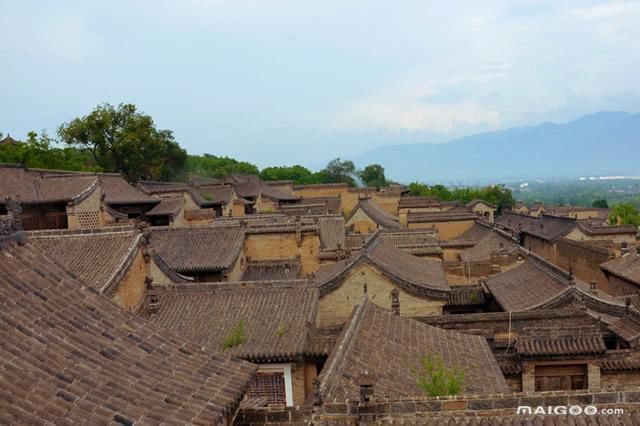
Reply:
x=610, y=20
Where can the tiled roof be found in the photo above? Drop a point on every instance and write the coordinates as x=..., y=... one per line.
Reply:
x=425, y=277
x=388, y=347
x=167, y=207
x=626, y=267
x=490, y=244
x=71, y=356
x=269, y=191
x=545, y=227
x=589, y=228
x=331, y=230
x=118, y=191
x=418, y=202
x=419, y=242
x=627, y=327
x=443, y=216
x=212, y=194
x=466, y=295
x=197, y=249
x=8, y=140
x=98, y=258
x=275, y=316
x=565, y=341
x=33, y=187
x=377, y=214
x=475, y=233
x=527, y=286
x=152, y=187
x=272, y=270
x=472, y=203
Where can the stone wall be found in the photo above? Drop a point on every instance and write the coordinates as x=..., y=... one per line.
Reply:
x=619, y=379
x=336, y=307
x=201, y=216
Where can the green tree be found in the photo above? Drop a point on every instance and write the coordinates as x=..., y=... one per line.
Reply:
x=296, y=173
x=435, y=379
x=121, y=139
x=601, y=204
x=624, y=214
x=338, y=172
x=373, y=175
x=211, y=166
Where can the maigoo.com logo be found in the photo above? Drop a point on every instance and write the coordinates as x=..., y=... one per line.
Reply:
x=574, y=410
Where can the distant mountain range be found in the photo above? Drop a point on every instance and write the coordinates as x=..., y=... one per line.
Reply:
x=604, y=143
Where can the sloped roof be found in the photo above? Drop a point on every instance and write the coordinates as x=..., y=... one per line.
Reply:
x=388, y=347
x=167, y=207
x=552, y=341
x=490, y=244
x=34, y=187
x=8, y=140
x=212, y=194
x=627, y=327
x=275, y=316
x=418, y=202
x=119, y=191
x=472, y=203
x=443, y=216
x=69, y=355
x=272, y=270
x=626, y=267
x=419, y=242
x=527, y=286
x=422, y=277
x=545, y=227
x=331, y=231
x=153, y=187
x=276, y=194
x=98, y=258
x=589, y=228
x=475, y=233
x=466, y=295
x=377, y=214
x=197, y=249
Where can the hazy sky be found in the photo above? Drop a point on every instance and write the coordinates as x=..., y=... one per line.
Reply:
x=298, y=81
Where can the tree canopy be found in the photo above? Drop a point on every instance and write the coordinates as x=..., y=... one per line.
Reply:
x=373, y=175
x=602, y=204
x=123, y=140
x=624, y=214
x=494, y=194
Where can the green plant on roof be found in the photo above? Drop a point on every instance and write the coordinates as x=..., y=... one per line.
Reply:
x=435, y=379
x=281, y=330
x=474, y=297
x=207, y=197
x=236, y=337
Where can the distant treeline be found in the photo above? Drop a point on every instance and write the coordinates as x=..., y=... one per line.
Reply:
x=121, y=139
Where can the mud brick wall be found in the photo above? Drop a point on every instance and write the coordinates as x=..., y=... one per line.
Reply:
x=584, y=259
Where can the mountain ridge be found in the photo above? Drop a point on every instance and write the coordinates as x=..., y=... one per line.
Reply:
x=601, y=143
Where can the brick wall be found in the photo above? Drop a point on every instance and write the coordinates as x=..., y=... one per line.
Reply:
x=539, y=246
x=336, y=307
x=361, y=223
x=619, y=379
x=87, y=213
x=284, y=246
x=585, y=260
x=131, y=290
x=388, y=202
x=429, y=410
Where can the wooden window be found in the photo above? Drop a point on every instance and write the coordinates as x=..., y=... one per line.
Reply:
x=269, y=386
x=561, y=377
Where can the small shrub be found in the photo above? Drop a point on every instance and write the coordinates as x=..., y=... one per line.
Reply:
x=236, y=337
x=435, y=379
x=281, y=330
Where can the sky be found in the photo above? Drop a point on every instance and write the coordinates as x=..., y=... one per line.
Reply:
x=301, y=82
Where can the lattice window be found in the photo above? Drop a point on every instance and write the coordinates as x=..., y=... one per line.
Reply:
x=88, y=219
x=268, y=385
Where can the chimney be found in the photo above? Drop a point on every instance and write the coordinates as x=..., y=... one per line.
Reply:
x=154, y=301
x=365, y=382
x=395, y=301
x=624, y=248
x=593, y=287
